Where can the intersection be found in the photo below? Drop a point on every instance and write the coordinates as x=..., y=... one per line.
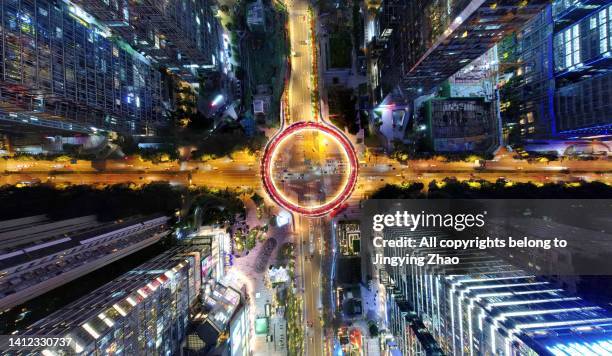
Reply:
x=309, y=179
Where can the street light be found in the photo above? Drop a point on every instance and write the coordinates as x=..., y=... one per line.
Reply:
x=218, y=99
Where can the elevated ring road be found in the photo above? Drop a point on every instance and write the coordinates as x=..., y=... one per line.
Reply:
x=271, y=151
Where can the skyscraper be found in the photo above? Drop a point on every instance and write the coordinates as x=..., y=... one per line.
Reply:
x=180, y=35
x=144, y=311
x=62, y=70
x=564, y=79
x=89, y=66
x=535, y=80
x=422, y=43
x=486, y=306
x=582, y=47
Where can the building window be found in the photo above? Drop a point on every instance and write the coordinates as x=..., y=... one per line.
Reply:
x=603, y=19
x=568, y=47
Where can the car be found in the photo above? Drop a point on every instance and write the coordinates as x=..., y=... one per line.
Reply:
x=268, y=309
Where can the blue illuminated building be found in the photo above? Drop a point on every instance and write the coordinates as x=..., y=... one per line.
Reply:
x=486, y=306
x=62, y=70
x=566, y=64
x=583, y=67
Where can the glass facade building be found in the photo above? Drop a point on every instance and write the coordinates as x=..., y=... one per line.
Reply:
x=583, y=60
x=60, y=65
x=536, y=87
x=181, y=35
x=486, y=306
x=423, y=43
x=565, y=54
x=143, y=312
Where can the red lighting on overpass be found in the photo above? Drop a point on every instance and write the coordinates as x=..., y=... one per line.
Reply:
x=334, y=202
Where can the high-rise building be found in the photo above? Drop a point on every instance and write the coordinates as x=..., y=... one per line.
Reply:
x=182, y=36
x=533, y=87
x=62, y=70
x=421, y=46
x=582, y=49
x=38, y=255
x=564, y=79
x=422, y=43
x=486, y=306
x=145, y=311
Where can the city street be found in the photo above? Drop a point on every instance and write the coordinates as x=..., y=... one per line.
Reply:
x=371, y=176
x=207, y=169
x=309, y=231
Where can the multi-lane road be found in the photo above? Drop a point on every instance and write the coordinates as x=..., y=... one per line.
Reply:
x=309, y=231
x=235, y=174
x=242, y=172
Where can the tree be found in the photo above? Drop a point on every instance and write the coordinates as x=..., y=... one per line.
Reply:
x=251, y=240
x=373, y=329
x=342, y=108
x=257, y=199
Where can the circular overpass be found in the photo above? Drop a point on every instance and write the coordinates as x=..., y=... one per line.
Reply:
x=277, y=145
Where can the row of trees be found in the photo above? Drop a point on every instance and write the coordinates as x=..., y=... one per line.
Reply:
x=501, y=189
x=118, y=201
x=403, y=153
x=109, y=203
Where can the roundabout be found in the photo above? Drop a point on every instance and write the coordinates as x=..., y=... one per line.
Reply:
x=309, y=168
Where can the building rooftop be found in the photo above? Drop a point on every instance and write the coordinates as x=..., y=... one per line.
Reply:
x=91, y=316
x=65, y=250
x=221, y=302
x=41, y=239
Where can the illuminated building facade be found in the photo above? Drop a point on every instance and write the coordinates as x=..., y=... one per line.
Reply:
x=39, y=254
x=535, y=78
x=582, y=46
x=217, y=242
x=240, y=334
x=61, y=70
x=146, y=310
x=422, y=43
x=143, y=312
x=565, y=77
x=485, y=306
x=181, y=35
